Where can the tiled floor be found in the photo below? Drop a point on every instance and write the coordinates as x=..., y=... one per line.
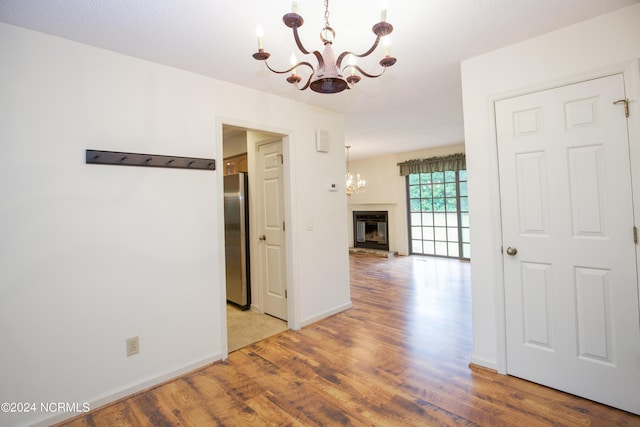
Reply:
x=247, y=327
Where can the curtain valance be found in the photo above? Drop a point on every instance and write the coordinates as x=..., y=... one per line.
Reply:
x=434, y=164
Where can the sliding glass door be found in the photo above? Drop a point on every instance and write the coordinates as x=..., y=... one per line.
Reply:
x=439, y=214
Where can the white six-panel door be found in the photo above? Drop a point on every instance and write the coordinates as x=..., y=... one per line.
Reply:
x=571, y=288
x=271, y=229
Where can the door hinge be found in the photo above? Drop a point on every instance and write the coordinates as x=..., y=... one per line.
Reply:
x=286, y=294
x=624, y=101
x=635, y=234
x=283, y=227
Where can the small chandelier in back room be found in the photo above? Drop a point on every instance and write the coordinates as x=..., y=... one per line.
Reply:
x=328, y=76
x=353, y=184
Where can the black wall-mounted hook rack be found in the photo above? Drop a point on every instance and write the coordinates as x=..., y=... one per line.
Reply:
x=148, y=160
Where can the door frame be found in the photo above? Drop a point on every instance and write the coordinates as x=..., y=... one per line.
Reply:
x=630, y=71
x=288, y=147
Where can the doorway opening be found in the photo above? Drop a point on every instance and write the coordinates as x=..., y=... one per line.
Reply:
x=247, y=320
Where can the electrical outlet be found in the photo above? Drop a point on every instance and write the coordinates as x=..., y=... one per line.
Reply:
x=133, y=346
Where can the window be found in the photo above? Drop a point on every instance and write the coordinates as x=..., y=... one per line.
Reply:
x=439, y=214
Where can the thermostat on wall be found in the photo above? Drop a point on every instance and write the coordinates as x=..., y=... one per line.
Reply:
x=332, y=186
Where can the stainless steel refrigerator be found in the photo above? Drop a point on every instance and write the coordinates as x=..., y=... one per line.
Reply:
x=236, y=238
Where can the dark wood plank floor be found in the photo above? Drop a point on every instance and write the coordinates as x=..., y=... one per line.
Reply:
x=400, y=357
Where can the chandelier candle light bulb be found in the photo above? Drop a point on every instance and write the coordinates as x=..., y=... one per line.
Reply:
x=383, y=10
x=260, y=34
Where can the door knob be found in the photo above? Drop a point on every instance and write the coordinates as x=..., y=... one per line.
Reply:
x=262, y=237
x=511, y=251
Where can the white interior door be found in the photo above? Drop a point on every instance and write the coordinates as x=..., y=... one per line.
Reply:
x=272, y=229
x=571, y=289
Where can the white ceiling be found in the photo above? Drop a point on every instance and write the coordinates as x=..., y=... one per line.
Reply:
x=417, y=103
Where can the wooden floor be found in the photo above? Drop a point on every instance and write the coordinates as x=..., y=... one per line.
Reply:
x=400, y=357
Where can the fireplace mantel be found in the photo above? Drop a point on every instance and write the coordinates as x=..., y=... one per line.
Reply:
x=374, y=203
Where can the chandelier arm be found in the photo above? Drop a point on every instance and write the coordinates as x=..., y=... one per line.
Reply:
x=320, y=59
x=290, y=69
x=298, y=42
x=364, y=73
x=362, y=55
x=317, y=54
x=307, y=83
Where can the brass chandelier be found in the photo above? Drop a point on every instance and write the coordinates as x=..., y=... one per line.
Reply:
x=328, y=76
x=354, y=185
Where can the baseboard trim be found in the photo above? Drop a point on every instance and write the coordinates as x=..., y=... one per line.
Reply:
x=326, y=314
x=482, y=363
x=475, y=367
x=128, y=392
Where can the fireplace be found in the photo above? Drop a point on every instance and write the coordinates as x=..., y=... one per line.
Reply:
x=370, y=230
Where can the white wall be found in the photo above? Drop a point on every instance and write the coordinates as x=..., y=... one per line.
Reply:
x=234, y=145
x=589, y=49
x=91, y=254
x=386, y=191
